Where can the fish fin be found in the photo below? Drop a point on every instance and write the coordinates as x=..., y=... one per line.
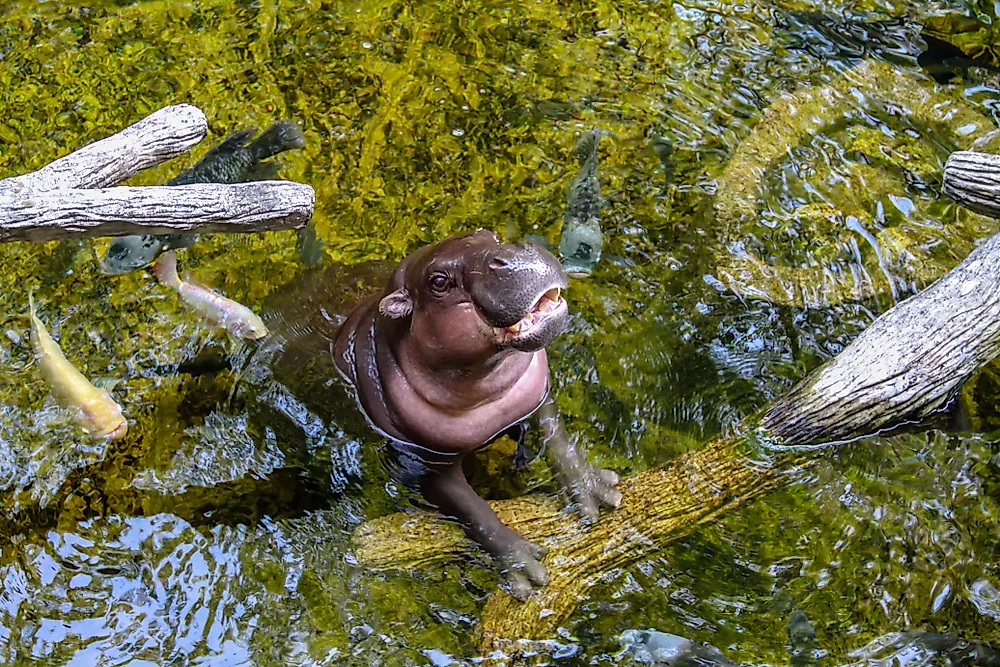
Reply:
x=197, y=283
x=176, y=241
x=165, y=269
x=265, y=171
x=282, y=135
x=31, y=303
x=234, y=142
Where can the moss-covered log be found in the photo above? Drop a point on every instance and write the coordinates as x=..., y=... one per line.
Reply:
x=64, y=199
x=907, y=364
x=798, y=269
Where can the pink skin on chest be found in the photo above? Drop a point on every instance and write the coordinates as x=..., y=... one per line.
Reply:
x=450, y=412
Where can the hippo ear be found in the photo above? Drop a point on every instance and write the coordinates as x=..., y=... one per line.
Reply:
x=396, y=305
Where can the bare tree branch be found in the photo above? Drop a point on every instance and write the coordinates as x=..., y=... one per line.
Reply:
x=973, y=180
x=56, y=201
x=202, y=208
x=162, y=135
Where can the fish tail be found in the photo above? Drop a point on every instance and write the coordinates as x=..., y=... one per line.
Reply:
x=165, y=270
x=31, y=303
x=282, y=135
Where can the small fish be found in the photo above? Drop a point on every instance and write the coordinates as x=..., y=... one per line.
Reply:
x=232, y=161
x=215, y=308
x=310, y=246
x=661, y=649
x=663, y=148
x=93, y=408
x=581, y=239
x=803, y=647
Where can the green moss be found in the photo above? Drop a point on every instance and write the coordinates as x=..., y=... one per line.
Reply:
x=424, y=119
x=840, y=201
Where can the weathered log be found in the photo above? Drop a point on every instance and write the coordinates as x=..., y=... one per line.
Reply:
x=973, y=180
x=164, y=134
x=56, y=201
x=203, y=208
x=908, y=363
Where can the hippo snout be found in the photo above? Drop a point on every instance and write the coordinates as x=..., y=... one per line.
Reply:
x=510, y=280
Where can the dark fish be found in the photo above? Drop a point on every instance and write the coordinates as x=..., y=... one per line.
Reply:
x=803, y=647
x=945, y=62
x=661, y=649
x=663, y=148
x=232, y=161
x=581, y=239
x=310, y=246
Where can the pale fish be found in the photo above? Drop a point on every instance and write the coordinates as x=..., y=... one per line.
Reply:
x=92, y=408
x=213, y=307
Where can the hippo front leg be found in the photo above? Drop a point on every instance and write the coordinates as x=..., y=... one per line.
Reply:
x=519, y=559
x=589, y=487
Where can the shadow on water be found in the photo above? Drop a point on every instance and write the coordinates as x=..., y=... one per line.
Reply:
x=218, y=531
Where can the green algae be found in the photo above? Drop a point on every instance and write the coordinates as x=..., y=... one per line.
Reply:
x=423, y=120
x=872, y=194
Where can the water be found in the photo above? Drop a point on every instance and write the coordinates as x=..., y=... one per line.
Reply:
x=217, y=533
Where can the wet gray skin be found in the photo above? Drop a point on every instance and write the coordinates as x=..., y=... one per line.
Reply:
x=232, y=161
x=451, y=355
x=581, y=239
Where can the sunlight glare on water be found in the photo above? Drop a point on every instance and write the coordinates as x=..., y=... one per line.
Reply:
x=771, y=177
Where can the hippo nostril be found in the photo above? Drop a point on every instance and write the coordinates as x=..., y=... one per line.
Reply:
x=498, y=263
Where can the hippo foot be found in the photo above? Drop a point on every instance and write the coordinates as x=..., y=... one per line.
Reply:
x=521, y=567
x=590, y=488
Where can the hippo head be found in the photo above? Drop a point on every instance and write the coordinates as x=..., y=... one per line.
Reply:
x=470, y=296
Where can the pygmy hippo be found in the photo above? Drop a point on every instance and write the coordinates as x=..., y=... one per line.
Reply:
x=448, y=358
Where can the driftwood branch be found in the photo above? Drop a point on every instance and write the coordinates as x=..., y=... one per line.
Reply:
x=907, y=364
x=164, y=134
x=203, y=208
x=57, y=202
x=973, y=180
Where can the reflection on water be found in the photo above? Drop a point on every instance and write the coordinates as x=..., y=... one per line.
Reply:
x=217, y=532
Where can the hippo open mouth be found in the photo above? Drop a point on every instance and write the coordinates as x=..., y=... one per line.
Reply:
x=545, y=320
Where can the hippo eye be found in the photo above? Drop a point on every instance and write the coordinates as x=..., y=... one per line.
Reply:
x=439, y=282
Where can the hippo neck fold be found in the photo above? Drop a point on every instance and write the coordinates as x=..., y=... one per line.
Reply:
x=398, y=399
x=459, y=387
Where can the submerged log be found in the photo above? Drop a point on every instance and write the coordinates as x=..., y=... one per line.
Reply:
x=64, y=199
x=908, y=363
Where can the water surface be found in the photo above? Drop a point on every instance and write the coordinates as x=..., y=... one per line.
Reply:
x=217, y=532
